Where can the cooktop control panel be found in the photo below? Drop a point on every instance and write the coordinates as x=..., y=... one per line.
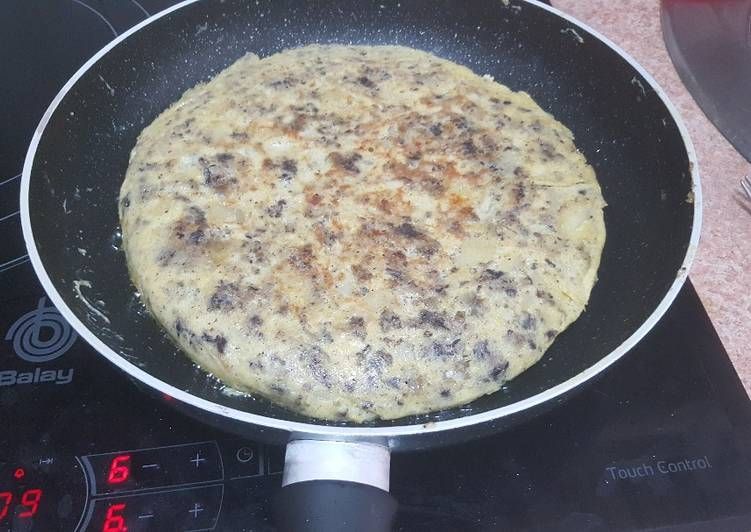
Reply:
x=173, y=487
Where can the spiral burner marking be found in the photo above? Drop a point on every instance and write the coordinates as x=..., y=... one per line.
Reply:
x=42, y=334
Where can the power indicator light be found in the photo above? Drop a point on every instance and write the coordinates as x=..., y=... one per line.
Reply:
x=19, y=473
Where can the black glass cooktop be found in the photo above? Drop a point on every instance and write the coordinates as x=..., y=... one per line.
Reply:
x=661, y=441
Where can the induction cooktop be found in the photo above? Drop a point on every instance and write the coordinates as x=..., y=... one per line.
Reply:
x=661, y=441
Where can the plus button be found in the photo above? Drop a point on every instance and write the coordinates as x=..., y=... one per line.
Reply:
x=197, y=509
x=198, y=459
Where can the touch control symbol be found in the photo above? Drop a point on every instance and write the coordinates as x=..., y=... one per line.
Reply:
x=197, y=509
x=198, y=459
x=244, y=455
x=42, y=334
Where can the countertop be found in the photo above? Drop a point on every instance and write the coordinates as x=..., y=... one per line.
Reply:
x=722, y=270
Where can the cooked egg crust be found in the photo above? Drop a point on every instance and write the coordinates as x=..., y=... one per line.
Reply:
x=361, y=232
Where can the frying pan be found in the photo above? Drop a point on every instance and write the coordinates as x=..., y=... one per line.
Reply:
x=622, y=122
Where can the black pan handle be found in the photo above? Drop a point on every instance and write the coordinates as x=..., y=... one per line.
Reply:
x=333, y=506
x=335, y=486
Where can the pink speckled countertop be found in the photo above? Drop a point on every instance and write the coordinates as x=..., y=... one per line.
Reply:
x=722, y=270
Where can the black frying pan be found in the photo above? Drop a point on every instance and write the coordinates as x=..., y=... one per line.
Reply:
x=621, y=120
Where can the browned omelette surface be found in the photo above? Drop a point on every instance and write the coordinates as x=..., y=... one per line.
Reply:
x=360, y=232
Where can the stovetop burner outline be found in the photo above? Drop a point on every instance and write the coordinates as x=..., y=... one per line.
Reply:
x=11, y=218
x=98, y=14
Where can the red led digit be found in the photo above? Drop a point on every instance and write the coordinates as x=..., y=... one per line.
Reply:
x=5, y=498
x=119, y=469
x=114, y=520
x=30, y=500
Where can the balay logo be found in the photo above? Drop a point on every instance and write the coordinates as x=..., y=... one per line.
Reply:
x=39, y=336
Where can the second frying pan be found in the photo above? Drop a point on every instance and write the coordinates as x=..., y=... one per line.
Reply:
x=621, y=120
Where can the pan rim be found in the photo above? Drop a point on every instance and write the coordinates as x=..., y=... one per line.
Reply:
x=312, y=430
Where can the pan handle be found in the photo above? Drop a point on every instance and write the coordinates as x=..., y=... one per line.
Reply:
x=333, y=486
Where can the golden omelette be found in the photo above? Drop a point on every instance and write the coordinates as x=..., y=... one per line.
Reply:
x=361, y=232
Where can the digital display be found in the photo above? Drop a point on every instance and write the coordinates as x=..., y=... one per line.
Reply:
x=23, y=504
x=114, y=521
x=119, y=469
x=195, y=508
x=143, y=469
x=42, y=492
x=20, y=502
